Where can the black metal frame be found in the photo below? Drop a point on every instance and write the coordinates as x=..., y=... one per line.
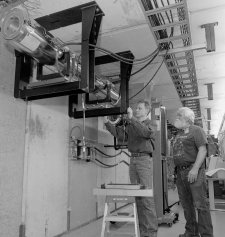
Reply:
x=118, y=146
x=90, y=15
x=125, y=72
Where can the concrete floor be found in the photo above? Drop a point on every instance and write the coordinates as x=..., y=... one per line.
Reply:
x=94, y=229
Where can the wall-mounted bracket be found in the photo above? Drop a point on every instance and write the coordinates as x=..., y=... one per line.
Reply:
x=210, y=36
x=90, y=15
x=125, y=71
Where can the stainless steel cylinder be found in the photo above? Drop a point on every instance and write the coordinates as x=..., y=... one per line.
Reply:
x=29, y=38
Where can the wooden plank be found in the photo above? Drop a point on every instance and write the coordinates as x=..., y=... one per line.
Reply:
x=123, y=186
x=120, y=219
x=123, y=192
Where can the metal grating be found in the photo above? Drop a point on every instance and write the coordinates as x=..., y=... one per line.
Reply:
x=169, y=23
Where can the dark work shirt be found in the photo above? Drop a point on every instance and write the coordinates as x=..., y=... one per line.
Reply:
x=140, y=135
x=185, y=148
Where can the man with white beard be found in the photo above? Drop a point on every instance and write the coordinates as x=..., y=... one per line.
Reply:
x=189, y=153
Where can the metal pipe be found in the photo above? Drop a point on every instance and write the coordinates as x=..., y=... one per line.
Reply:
x=101, y=85
x=25, y=172
x=83, y=137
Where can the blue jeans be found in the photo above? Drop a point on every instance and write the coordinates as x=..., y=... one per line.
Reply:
x=141, y=172
x=194, y=195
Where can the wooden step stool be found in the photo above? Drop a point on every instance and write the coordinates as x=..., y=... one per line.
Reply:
x=123, y=194
x=133, y=218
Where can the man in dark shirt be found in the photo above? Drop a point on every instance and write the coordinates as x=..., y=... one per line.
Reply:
x=189, y=152
x=140, y=131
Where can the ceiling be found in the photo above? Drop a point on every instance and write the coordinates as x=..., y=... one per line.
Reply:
x=125, y=27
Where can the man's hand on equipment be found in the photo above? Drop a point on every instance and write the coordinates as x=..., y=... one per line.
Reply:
x=129, y=113
x=105, y=119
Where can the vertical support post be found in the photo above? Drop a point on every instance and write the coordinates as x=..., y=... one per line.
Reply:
x=123, y=87
x=68, y=219
x=93, y=40
x=22, y=72
x=19, y=60
x=209, y=126
x=208, y=119
x=39, y=70
x=157, y=165
x=22, y=230
x=125, y=70
x=210, y=90
x=211, y=194
x=164, y=147
x=208, y=113
x=73, y=100
x=90, y=28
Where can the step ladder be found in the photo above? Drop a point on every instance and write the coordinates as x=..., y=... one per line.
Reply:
x=116, y=217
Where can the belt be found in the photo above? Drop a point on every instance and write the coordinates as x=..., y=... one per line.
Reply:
x=182, y=167
x=136, y=154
